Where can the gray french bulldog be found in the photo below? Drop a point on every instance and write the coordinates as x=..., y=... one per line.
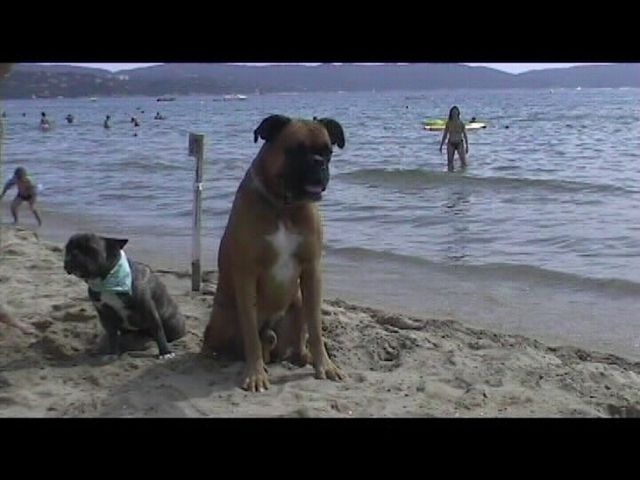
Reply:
x=128, y=296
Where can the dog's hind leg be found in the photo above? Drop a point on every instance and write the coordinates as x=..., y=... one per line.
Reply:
x=292, y=332
x=156, y=328
x=221, y=336
x=269, y=340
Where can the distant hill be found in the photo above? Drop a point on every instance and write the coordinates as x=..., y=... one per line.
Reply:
x=26, y=67
x=618, y=75
x=50, y=81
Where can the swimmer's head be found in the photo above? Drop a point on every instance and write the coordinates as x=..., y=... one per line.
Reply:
x=454, y=113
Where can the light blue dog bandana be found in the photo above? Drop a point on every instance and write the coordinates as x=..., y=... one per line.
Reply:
x=118, y=280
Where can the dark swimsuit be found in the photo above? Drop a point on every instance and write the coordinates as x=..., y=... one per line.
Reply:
x=25, y=198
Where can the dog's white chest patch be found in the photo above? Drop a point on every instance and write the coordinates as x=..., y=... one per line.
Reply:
x=285, y=243
x=107, y=298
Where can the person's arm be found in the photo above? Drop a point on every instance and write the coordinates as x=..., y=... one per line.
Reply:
x=466, y=140
x=10, y=183
x=9, y=320
x=444, y=135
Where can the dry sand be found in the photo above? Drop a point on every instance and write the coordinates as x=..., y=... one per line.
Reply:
x=397, y=366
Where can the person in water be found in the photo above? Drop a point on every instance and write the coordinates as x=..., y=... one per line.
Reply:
x=457, y=139
x=27, y=192
x=106, y=122
x=44, y=121
x=69, y=118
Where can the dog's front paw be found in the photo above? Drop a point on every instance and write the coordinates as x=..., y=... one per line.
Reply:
x=325, y=368
x=255, y=378
x=165, y=356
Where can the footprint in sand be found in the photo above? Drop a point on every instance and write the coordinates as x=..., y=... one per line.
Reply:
x=10, y=251
x=42, y=325
x=340, y=406
x=358, y=377
x=7, y=401
x=62, y=306
x=69, y=312
x=48, y=346
x=4, y=382
x=42, y=262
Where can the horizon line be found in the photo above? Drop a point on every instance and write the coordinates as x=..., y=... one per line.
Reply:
x=502, y=67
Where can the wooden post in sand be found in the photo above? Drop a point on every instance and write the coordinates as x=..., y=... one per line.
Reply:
x=196, y=149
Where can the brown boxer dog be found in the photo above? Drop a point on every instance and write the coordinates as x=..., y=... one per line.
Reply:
x=270, y=284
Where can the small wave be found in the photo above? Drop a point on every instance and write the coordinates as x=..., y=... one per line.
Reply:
x=501, y=271
x=126, y=195
x=418, y=178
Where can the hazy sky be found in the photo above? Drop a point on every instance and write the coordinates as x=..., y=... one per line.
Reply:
x=507, y=67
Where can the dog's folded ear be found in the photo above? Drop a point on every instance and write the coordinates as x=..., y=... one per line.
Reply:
x=270, y=127
x=334, y=129
x=115, y=244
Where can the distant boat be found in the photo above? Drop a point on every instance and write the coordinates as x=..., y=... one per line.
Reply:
x=234, y=97
x=93, y=99
x=165, y=99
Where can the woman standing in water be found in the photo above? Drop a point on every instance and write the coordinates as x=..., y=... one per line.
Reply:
x=455, y=130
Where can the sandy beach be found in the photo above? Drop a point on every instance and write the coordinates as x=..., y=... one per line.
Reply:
x=397, y=366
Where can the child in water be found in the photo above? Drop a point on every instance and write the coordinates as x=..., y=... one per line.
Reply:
x=27, y=192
